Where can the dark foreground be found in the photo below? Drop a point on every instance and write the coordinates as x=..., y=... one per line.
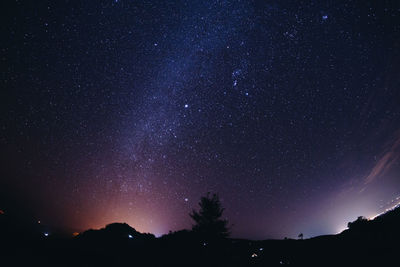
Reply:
x=367, y=243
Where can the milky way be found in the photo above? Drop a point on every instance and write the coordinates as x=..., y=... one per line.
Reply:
x=132, y=110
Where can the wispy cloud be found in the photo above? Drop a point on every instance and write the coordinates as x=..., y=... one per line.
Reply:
x=389, y=157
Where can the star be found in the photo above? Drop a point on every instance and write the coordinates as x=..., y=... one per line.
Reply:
x=147, y=105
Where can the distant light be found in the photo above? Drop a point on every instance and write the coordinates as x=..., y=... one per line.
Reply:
x=46, y=234
x=1, y=211
x=75, y=233
x=341, y=229
x=254, y=255
x=38, y=222
x=186, y=199
x=130, y=236
x=395, y=206
x=186, y=105
x=261, y=249
x=204, y=244
x=325, y=17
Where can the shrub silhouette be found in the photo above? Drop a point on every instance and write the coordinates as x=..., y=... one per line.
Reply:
x=361, y=222
x=300, y=236
x=208, y=222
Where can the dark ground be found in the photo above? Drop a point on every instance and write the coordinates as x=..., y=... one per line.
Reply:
x=369, y=243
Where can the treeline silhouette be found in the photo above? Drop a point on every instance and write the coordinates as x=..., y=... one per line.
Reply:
x=25, y=242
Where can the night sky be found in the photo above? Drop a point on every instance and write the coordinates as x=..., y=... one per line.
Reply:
x=130, y=111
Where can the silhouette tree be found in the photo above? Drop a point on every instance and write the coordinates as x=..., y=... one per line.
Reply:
x=208, y=222
x=300, y=236
x=359, y=223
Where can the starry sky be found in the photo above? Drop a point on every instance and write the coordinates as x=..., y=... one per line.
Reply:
x=130, y=111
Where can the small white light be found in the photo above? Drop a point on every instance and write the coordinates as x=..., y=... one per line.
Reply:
x=46, y=234
x=130, y=236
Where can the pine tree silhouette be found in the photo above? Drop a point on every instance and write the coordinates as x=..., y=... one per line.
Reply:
x=208, y=222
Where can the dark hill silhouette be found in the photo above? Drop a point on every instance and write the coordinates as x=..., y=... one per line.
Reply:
x=365, y=243
x=385, y=227
x=116, y=232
